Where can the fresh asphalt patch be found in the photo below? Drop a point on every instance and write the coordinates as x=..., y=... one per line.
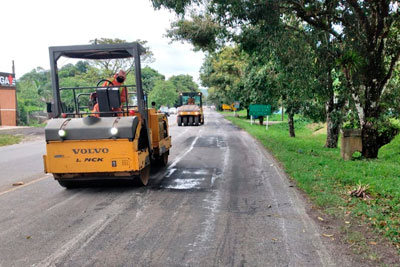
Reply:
x=189, y=179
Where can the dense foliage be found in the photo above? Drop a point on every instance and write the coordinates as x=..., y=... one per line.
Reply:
x=34, y=88
x=323, y=59
x=163, y=94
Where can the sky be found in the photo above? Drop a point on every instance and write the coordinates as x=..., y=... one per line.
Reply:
x=30, y=27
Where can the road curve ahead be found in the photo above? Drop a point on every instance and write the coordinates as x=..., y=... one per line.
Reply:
x=221, y=201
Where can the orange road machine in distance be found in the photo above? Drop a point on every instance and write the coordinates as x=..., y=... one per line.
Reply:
x=190, y=111
x=117, y=141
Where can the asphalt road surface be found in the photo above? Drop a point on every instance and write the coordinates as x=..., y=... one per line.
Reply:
x=221, y=201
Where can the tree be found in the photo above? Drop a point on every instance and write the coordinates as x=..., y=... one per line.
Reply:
x=149, y=78
x=368, y=46
x=212, y=97
x=314, y=53
x=111, y=66
x=260, y=84
x=163, y=93
x=200, y=30
x=370, y=50
x=34, y=86
x=249, y=72
x=33, y=90
x=392, y=98
x=295, y=76
x=222, y=72
x=184, y=83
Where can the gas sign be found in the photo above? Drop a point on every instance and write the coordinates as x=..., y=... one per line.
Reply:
x=7, y=79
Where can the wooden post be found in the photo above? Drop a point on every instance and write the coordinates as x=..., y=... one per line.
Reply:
x=350, y=143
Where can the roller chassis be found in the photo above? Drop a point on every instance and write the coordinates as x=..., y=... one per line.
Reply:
x=190, y=113
x=105, y=145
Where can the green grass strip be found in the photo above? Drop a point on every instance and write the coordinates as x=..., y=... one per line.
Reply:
x=6, y=139
x=327, y=178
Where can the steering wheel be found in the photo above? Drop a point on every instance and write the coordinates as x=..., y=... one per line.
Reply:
x=105, y=80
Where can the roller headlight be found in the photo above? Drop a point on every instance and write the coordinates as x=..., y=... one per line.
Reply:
x=113, y=131
x=62, y=133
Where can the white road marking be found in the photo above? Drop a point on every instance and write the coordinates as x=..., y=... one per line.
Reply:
x=170, y=172
x=87, y=234
x=213, y=203
x=82, y=239
x=63, y=202
x=180, y=157
x=24, y=185
x=182, y=133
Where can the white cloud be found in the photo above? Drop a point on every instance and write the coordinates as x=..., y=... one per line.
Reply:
x=33, y=26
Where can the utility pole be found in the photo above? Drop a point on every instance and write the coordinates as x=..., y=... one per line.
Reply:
x=16, y=101
x=0, y=113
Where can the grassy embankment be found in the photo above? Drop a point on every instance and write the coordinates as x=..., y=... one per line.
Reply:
x=327, y=179
x=6, y=139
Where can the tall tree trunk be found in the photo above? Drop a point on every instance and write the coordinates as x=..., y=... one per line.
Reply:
x=291, y=124
x=370, y=144
x=333, y=125
x=333, y=115
x=367, y=113
x=376, y=131
x=369, y=131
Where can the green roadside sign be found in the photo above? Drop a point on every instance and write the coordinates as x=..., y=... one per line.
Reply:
x=257, y=110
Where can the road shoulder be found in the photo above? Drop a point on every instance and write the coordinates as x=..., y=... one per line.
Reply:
x=350, y=242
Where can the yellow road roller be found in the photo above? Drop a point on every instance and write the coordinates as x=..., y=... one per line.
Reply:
x=190, y=111
x=108, y=137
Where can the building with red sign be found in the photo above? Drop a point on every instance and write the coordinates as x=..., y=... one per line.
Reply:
x=8, y=100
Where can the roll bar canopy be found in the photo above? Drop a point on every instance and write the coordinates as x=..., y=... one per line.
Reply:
x=96, y=51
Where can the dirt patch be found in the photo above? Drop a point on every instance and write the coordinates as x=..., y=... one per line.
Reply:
x=320, y=131
x=343, y=235
x=316, y=126
x=28, y=133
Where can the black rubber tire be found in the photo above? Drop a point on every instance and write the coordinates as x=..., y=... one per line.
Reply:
x=143, y=177
x=190, y=120
x=185, y=120
x=68, y=184
x=179, y=121
x=163, y=160
x=196, y=120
